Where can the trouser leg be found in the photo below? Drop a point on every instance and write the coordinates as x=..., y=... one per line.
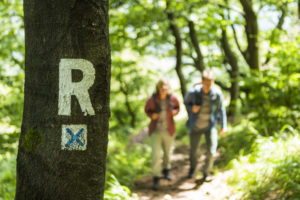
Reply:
x=156, y=145
x=211, y=137
x=167, y=142
x=194, y=141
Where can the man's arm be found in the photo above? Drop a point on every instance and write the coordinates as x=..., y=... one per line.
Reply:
x=223, y=117
x=188, y=102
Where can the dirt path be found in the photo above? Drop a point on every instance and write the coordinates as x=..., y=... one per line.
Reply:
x=181, y=188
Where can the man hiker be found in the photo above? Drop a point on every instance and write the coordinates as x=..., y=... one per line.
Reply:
x=205, y=107
x=161, y=107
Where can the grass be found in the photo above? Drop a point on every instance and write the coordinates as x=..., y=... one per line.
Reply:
x=238, y=142
x=271, y=171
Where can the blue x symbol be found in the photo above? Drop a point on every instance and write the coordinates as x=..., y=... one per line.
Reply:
x=74, y=137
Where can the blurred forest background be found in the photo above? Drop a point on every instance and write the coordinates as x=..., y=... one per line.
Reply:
x=252, y=46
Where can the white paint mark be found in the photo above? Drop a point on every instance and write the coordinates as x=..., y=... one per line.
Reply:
x=67, y=88
x=74, y=137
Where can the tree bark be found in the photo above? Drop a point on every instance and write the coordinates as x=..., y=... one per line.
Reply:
x=234, y=73
x=63, y=142
x=178, y=46
x=199, y=62
x=299, y=9
x=243, y=53
x=252, y=52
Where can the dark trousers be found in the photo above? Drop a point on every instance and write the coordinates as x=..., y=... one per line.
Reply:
x=211, y=137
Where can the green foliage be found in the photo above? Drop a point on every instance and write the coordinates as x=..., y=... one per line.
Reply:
x=114, y=190
x=11, y=103
x=274, y=98
x=237, y=143
x=11, y=91
x=8, y=175
x=8, y=142
x=271, y=171
x=127, y=163
x=11, y=73
x=181, y=129
x=131, y=86
x=132, y=26
x=12, y=38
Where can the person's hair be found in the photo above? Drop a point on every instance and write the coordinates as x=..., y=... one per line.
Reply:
x=161, y=83
x=208, y=74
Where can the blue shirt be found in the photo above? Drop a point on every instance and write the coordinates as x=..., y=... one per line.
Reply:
x=218, y=112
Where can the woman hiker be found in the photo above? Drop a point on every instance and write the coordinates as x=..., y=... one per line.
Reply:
x=161, y=107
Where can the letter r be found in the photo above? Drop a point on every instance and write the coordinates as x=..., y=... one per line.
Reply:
x=67, y=88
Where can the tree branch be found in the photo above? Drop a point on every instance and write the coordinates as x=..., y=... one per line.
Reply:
x=279, y=26
x=199, y=63
x=243, y=53
x=234, y=72
x=178, y=46
x=231, y=8
x=224, y=87
x=251, y=26
x=124, y=90
x=299, y=9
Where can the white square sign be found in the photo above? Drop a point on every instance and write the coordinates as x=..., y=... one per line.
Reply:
x=74, y=137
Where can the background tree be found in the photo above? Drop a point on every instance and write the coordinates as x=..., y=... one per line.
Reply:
x=57, y=34
x=131, y=83
x=178, y=46
x=298, y=9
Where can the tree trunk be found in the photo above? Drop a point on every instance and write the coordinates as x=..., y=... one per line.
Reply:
x=234, y=73
x=178, y=46
x=63, y=142
x=131, y=112
x=252, y=52
x=299, y=9
x=199, y=62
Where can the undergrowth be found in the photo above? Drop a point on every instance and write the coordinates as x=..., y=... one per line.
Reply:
x=267, y=168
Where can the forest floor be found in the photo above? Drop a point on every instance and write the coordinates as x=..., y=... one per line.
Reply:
x=182, y=188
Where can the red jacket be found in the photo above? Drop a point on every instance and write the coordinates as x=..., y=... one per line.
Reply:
x=152, y=106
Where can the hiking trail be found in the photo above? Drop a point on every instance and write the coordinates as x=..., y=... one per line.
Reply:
x=182, y=188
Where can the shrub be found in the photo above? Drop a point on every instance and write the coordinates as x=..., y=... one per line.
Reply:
x=114, y=190
x=127, y=164
x=272, y=171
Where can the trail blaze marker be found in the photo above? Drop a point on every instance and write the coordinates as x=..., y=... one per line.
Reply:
x=74, y=136
x=67, y=88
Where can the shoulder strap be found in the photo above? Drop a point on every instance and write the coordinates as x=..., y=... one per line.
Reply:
x=157, y=106
x=198, y=97
x=170, y=102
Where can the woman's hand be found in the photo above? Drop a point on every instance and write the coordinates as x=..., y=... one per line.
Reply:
x=174, y=112
x=155, y=116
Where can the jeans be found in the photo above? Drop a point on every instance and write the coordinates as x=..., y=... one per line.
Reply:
x=211, y=137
